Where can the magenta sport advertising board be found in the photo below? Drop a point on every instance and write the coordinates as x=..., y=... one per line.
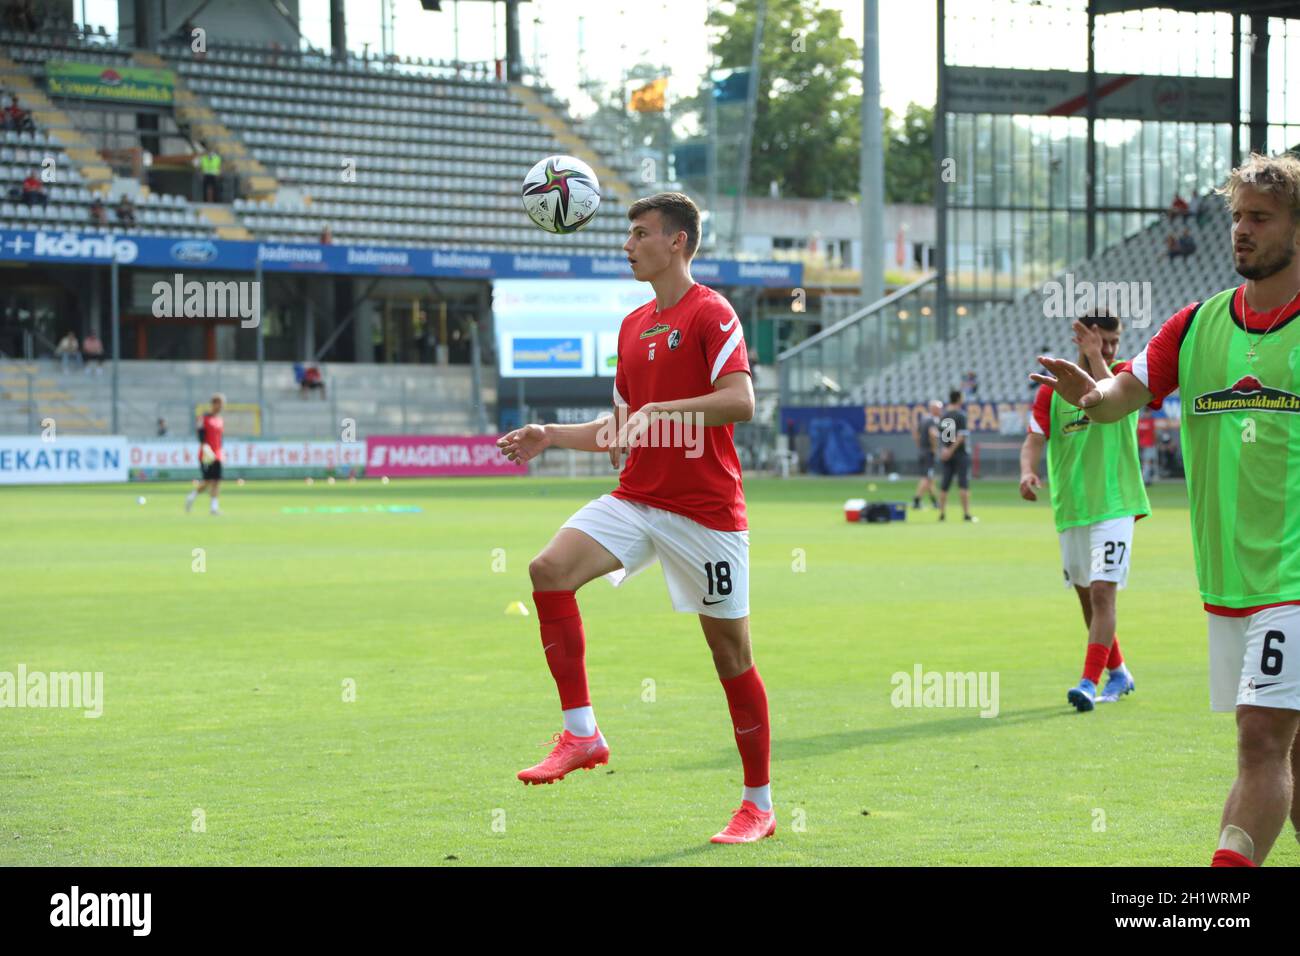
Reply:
x=436, y=456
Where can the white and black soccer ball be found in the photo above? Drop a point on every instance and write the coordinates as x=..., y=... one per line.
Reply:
x=561, y=194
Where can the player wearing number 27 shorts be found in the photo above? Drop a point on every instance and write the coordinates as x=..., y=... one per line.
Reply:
x=683, y=375
x=1095, y=479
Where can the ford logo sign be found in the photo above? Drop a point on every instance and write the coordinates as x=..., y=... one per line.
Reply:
x=195, y=250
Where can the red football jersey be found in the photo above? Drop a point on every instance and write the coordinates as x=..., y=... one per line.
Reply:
x=212, y=426
x=671, y=355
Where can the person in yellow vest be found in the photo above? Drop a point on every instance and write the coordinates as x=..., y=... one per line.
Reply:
x=1233, y=355
x=210, y=166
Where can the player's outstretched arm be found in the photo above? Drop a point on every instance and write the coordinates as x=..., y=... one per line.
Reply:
x=525, y=444
x=1031, y=453
x=1106, y=401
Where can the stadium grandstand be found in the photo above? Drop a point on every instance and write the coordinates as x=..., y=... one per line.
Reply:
x=380, y=193
x=373, y=199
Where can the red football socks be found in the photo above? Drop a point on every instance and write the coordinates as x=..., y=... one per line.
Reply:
x=565, y=645
x=1116, y=659
x=1095, y=662
x=1229, y=858
x=747, y=701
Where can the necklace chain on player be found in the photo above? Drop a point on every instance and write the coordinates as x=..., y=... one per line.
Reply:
x=1250, y=352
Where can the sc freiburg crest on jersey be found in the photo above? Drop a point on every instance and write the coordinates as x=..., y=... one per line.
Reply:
x=676, y=354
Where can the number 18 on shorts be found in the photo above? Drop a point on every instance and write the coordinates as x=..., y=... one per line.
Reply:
x=707, y=571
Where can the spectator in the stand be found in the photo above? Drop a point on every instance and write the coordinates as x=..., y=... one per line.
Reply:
x=1186, y=244
x=970, y=383
x=33, y=190
x=92, y=349
x=326, y=236
x=17, y=118
x=68, y=351
x=1172, y=249
x=1178, y=208
x=210, y=166
x=125, y=211
x=98, y=214
x=162, y=428
x=312, y=379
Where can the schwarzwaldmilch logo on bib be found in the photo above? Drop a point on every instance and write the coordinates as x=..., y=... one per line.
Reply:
x=1078, y=425
x=1247, y=394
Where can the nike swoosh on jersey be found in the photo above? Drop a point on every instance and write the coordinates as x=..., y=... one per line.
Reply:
x=727, y=327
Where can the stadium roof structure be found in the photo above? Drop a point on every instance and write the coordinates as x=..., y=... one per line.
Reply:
x=1285, y=9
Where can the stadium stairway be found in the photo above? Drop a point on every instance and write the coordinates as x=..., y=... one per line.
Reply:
x=380, y=399
x=95, y=176
x=612, y=184
x=30, y=394
x=194, y=114
x=223, y=221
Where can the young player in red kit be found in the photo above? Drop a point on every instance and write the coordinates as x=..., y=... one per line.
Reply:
x=210, y=427
x=683, y=373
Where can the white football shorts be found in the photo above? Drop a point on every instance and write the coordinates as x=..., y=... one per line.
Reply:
x=1097, y=552
x=1256, y=659
x=707, y=571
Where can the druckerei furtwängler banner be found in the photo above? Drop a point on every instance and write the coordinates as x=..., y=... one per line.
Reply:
x=33, y=460
x=254, y=459
x=436, y=456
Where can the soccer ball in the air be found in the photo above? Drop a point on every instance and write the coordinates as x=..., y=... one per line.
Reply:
x=561, y=194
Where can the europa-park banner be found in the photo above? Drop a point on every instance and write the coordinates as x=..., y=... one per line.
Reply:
x=117, y=84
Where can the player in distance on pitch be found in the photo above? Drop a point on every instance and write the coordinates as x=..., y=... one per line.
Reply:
x=210, y=427
x=1095, y=479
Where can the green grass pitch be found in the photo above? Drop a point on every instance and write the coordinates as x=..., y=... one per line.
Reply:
x=224, y=688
